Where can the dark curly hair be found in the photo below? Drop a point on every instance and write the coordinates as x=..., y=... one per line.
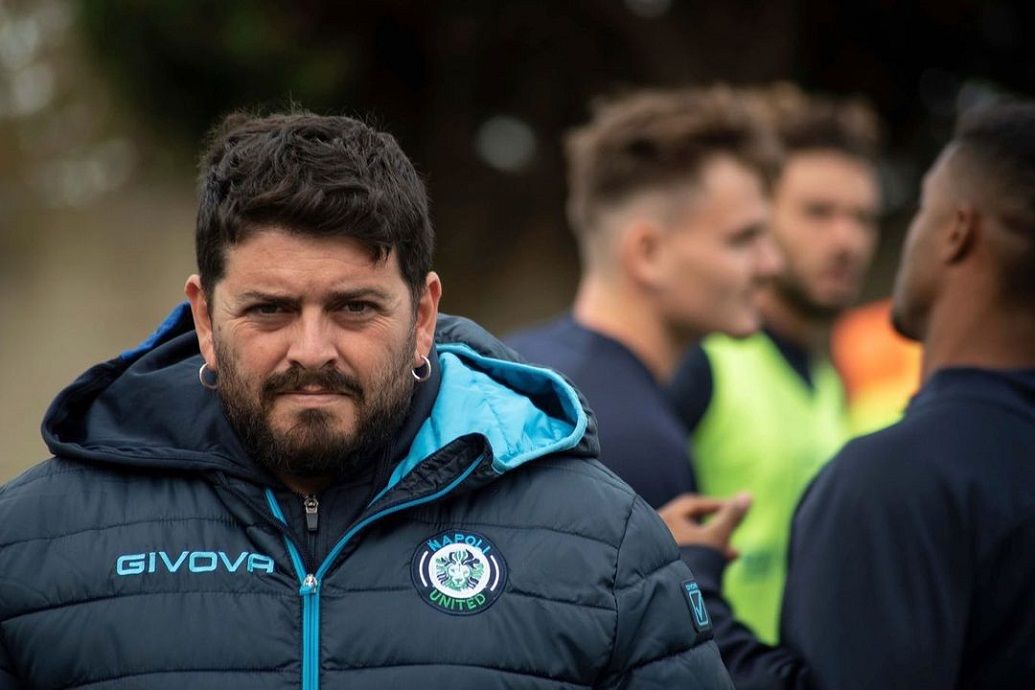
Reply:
x=310, y=175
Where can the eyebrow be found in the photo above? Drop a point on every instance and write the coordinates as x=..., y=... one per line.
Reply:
x=749, y=230
x=334, y=296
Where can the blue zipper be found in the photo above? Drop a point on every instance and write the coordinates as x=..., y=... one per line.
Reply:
x=309, y=588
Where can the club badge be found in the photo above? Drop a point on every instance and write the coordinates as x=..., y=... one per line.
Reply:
x=459, y=573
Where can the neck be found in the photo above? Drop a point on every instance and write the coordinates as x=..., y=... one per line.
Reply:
x=631, y=320
x=305, y=486
x=807, y=331
x=963, y=333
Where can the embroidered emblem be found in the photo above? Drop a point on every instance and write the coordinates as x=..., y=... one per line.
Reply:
x=698, y=613
x=459, y=573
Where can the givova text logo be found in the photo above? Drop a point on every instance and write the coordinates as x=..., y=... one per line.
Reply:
x=191, y=561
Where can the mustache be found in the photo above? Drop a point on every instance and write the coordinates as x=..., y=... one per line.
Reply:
x=297, y=378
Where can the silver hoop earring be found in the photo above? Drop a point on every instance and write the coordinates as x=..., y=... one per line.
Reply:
x=420, y=375
x=211, y=385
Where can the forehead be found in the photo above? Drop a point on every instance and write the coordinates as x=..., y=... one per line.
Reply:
x=728, y=188
x=828, y=174
x=278, y=261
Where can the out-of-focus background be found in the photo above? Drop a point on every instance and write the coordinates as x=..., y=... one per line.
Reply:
x=104, y=103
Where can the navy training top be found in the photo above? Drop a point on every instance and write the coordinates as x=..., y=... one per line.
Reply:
x=641, y=438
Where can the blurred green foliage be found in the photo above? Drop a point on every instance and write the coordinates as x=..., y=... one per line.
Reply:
x=185, y=62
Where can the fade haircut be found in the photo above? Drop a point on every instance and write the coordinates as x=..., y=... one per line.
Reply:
x=314, y=176
x=805, y=122
x=997, y=145
x=653, y=139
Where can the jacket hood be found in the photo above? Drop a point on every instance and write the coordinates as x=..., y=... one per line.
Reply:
x=147, y=409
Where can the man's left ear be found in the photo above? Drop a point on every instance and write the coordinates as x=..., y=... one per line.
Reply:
x=962, y=234
x=427, y=316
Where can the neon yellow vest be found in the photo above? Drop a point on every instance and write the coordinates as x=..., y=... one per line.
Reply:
x=767, y=433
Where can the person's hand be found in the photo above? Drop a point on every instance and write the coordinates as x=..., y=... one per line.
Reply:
x=683, y=515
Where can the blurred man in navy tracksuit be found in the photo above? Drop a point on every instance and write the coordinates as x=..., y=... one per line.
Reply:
x=668, y=198
x=913, y=553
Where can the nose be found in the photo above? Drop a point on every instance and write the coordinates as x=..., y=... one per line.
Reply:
x=770, y=261
x=854, y=236
x=312, y=345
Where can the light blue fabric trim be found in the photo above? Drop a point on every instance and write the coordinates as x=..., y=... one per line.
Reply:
x=179, y=312
x=296, y=557
x=494, y=397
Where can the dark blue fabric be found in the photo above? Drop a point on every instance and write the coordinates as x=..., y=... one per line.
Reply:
x=912, y=554
x=641, y=439
x=145, y=554
x=796, y=356
x=692, y=387
x=179, y=317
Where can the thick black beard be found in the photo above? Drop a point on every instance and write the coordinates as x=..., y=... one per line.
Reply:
x=311, y=448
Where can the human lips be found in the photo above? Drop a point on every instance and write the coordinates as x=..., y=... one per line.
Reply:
x=842, y=275
x=313, y=395
x=310, y=387
x=313, y=399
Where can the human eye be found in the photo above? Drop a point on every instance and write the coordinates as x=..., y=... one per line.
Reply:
x=357, y=307
x=266, y=309
x=745, y=237
x=819, y=211
x=868, y=219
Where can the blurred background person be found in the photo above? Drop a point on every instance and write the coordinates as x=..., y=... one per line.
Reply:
x=668, y=201
x=913, y=551
x=768, y=410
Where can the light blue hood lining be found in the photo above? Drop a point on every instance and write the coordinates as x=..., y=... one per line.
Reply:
x=497, y=404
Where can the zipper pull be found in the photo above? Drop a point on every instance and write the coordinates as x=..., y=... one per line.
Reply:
x=309, y=585
x=312, y=517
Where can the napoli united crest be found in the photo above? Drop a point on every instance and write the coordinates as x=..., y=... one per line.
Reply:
x=458, y=572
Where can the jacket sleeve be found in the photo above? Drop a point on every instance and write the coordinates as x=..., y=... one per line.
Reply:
x=878, y=584
x=752, y=664
x=659, y=642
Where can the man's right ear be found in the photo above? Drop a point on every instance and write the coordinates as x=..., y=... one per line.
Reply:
x=640, y=253
x=199, y=307
x=960, y=236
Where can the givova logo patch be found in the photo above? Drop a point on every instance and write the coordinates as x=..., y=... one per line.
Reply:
x=460, y=573
x=699, y=614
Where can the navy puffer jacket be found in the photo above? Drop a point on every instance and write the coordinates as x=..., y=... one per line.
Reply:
x=151, y=553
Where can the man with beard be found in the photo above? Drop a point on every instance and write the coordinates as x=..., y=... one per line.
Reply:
x=913, y=551
x=767, y=411
x=309, y=477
